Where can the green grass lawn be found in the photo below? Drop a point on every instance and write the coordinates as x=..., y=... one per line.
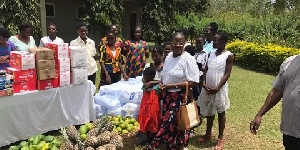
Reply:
x=248, y=91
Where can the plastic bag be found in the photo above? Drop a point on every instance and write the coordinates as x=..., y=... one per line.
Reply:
x=107, y=101
x=115, y=111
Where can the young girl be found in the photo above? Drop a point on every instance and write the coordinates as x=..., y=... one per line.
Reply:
x=148, y=117
x=214, y=95
x=110, y=61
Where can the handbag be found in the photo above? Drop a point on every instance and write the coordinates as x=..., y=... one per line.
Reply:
x=188, y=115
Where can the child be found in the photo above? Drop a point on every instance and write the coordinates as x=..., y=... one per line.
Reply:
x=110, y=61
x=214, y=96
x=196, y=92
x=201, y=57
x=149, y=114
x=167, y=49
x=51, y=38
x=4, y=48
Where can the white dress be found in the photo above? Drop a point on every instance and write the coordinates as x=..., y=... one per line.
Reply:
x=211, y=103
x=179, y=69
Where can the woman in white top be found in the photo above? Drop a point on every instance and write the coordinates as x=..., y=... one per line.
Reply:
x=179, y=67
x=51, y=38
x=214, y=95
x=83, y=41
x=23, y=41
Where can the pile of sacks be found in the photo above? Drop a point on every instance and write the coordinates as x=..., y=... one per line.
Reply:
x=121, y=98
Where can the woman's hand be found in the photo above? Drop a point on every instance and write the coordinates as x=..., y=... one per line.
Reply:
x=214, y=90
x=108, y=79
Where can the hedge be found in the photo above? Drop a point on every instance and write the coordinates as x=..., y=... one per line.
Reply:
x=262, y=58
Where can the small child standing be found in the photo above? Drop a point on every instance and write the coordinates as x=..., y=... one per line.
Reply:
x=149, y=114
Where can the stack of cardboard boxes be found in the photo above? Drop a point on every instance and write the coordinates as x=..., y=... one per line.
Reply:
x=23, y=71
x=62, y=62
x=45, y=68
x=78, y=65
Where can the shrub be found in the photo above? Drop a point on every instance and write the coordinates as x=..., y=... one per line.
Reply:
x=264, y=58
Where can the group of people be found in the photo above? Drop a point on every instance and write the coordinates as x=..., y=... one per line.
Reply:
x=205, y=67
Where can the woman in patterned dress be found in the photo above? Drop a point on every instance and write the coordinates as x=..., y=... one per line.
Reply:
x=137, y=52
x=179, y=67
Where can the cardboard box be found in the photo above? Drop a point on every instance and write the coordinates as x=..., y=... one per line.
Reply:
x=47, y=84
x=22, y=75
x=63, y=65
x=64, y=79
x=22, y=60
x=42, y=53
x=46, y=74
x=78, y=75
x=78, y=56
x=7, y=92
x=20, y=87
x=60, y=50
x=45, y=64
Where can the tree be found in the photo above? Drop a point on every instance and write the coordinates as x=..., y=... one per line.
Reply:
x=14, y=11
x=158, y=19
x=99, y=14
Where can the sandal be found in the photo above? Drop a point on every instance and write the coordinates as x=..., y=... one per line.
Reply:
x=203, y=139
x=220, y=144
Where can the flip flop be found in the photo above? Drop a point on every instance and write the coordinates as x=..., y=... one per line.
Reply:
x=220, y=144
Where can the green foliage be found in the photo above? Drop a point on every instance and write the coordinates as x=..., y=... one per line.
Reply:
x=266, y=58
x=102, y=13
x=161, y=17
x=157, y=19
x=281, y=29
x=14, y=11
x=190, y=22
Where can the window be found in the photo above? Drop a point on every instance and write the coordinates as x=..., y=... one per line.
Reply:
x=50, y=10
x=79, y=12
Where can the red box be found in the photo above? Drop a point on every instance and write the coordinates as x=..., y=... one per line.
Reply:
x=22, y=75
x=60, y=50
x=25, y=86
x=22, y=60
x=47, y=84
x=7, y=92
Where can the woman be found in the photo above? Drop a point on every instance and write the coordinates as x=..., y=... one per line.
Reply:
x=214, y=96
x=137, y=52
x=209, y=33
x=51, y=38
x=83, y=41
x=179, y=68
x=110, y=61
x=4, y=48
x=23, y=41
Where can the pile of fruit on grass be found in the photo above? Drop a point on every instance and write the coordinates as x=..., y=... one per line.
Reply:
x=98, y=135
x=124, y=124
x=39, y=142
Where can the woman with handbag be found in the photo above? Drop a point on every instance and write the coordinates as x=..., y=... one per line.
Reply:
x=180, y=70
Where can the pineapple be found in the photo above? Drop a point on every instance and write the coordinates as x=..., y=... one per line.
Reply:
x=118, y=143
x=67, y=144
x=96, y=122
x=107, y=127
x=89, y=148
x=73, y=133
x=104, y=138
x=101, y=148
x=93, y=132
x=91, y=141
x=114, y=133
x=110, y=147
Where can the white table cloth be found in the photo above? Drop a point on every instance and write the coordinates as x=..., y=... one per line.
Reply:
x=37, y=112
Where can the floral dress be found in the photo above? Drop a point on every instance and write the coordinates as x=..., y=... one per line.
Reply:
x=179, y=69
x=136, y=57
